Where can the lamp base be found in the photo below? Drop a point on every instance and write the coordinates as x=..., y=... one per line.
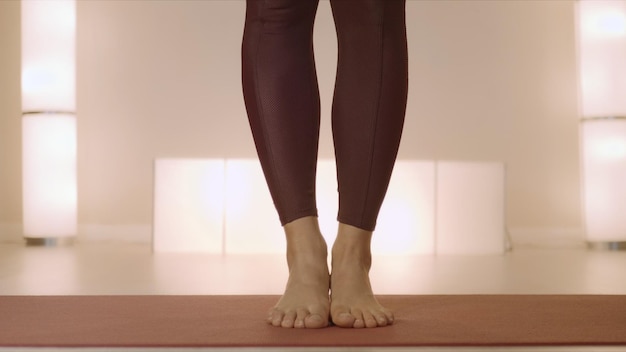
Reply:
x=49, y=241
x=607, y=246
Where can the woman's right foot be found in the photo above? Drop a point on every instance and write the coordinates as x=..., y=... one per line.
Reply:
x=353, y=304
x=305, y=303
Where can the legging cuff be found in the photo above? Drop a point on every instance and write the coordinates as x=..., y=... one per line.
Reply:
x=287, y=218
x=363, y=225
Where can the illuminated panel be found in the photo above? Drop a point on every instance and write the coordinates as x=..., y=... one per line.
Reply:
x=406, y=220
x=602, y=57
x=604, y=158
x=407, y=217
x=188, y=205
x=48, y=55
x=444, y=207
x=251, y=223
x=49, y=175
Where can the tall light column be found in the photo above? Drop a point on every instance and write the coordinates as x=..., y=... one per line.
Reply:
x=601, y=26
x=49, y=121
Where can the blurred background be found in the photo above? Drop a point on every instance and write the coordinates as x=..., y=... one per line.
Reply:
x=489, y=81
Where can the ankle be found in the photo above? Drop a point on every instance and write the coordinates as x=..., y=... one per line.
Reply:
x=352, y=246
x=305, y=243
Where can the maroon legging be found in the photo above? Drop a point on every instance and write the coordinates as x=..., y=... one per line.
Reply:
x=282, y=100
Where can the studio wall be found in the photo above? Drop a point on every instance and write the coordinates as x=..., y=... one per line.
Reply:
x=489, y=81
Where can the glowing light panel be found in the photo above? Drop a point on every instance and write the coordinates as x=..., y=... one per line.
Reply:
x=49, y=175
x=406, y=223
x=602, y=57
x=430, y=207
x=604, y=165
x=188, y=205
x=251, y=222
x=48, y=55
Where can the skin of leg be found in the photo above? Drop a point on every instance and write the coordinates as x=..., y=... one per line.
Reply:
x=353, y=304
x=305, y=303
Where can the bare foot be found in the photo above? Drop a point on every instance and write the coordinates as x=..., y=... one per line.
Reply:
x=353, y=304
x=305, y=302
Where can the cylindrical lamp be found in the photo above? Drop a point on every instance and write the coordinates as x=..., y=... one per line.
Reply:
x=601, y=27
x=49, y=121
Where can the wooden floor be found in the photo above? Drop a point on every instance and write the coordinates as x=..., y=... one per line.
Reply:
x=109, y=269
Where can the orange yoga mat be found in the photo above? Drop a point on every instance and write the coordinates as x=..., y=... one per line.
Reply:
x=238, y=321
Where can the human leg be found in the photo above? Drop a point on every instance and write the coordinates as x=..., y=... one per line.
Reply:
x=368, y=116
x=282, y=101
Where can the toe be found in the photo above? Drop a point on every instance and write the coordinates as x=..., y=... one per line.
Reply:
x=270, y=317
x=315, y=321
x=317, y=318
x=277, y=318
x=341, y=317
x=369, y=320
x=301, y=315
x=389, y=315
x=359, y=321
x=381, y=319
x=288, y=320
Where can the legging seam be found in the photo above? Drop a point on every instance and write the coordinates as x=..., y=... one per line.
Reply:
x=381, y=32
x=268, y=142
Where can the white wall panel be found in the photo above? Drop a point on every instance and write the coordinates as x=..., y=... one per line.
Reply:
x=470, y=208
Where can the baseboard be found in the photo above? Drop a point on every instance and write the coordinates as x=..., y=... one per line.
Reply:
x=142, y=234
x=89, y=233
x=127, y=233
x=553, y=238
